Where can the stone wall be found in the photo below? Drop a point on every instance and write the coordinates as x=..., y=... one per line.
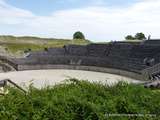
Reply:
x=144, y=51
x=152, y=42
x=119, y=63
x=48, y=52
x=78, y=50
x=101, y=50
x=117, y=55
x=120, y=50
x=87, y=68
x=8, y=62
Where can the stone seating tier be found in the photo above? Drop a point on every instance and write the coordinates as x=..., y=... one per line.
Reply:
x=98, y=49
x=155, y=42
x=85, y=61
x=144, y=51
x=78, y=50
x=126, y=56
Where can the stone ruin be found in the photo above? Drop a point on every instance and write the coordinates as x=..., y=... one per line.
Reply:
x=136, y=60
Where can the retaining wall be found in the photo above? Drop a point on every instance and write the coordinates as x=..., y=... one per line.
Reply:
x=87, y=68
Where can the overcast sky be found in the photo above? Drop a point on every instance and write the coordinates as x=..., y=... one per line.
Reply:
x=99, y=20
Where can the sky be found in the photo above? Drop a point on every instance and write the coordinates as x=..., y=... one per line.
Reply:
x=99, y=20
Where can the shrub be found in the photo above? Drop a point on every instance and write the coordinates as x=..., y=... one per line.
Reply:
x=46, y=49
x=140, y=36
x=78, y=35
x=80, y=100
x=129, y=37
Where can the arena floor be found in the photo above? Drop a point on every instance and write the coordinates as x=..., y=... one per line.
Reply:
x=42, y=78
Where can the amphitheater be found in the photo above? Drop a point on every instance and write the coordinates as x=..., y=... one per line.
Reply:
x=130, y=60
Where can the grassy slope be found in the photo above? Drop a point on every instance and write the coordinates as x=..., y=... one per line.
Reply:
x=80, y=101
x=20, y=44
x=15, y=46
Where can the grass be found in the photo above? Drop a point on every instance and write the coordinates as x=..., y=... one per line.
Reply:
x=17, y=45
x=81, y=100
x=20, y=44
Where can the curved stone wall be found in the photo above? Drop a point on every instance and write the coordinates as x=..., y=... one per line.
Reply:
x=118, y=58
x=116, y=63
x=67, y=62
x=137, y=76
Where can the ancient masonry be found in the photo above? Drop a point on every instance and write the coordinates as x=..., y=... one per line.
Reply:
x=139, y=60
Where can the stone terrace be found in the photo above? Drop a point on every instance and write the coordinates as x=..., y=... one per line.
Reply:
x=118, y=55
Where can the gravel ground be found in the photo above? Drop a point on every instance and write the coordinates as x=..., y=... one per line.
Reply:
x=43, y=78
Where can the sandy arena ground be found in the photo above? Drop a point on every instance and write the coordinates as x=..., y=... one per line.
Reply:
x=42, y=78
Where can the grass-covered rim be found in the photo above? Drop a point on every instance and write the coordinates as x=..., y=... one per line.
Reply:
x=20, y=44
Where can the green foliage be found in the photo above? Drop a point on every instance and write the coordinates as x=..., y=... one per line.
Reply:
x=78, y=35
x=81, y=100
x=140, y=36
x=129, y=37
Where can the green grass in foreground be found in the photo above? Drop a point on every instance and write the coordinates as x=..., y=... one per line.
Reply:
x=80, y=101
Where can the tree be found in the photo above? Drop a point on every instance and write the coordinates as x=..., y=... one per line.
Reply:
x=129, y=37
x=140, y=36
x=78, y=35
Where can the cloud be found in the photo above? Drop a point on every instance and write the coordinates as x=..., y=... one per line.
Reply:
x=99, y=23
x=13, y=15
